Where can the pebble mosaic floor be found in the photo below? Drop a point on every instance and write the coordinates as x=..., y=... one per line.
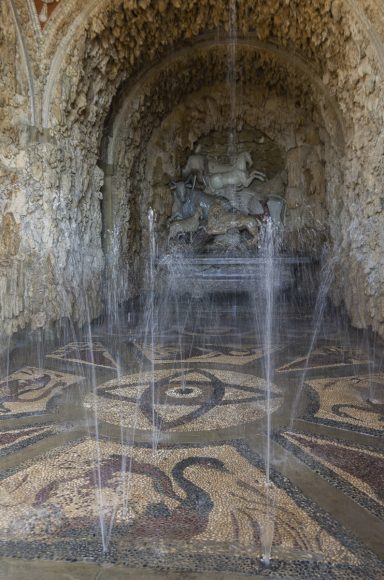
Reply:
x=172, y=474
x=191, y=401
x=31, y=391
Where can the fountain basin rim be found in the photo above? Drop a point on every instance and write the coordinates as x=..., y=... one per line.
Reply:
x=217, y=261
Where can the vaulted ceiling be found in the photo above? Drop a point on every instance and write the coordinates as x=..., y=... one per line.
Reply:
x=95, y=45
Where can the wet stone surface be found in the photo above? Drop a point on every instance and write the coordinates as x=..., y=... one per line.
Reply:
x=150, y=455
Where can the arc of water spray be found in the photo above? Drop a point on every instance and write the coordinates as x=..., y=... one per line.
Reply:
x=327, y=276
x=151, y=319
x=99, y=488
x=267, y=529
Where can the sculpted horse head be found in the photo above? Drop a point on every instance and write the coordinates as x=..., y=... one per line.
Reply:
x=244, y=160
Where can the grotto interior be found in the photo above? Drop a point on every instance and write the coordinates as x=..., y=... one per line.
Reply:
x=192, y=288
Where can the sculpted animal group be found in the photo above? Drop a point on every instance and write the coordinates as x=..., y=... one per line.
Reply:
x=221, y=221
x=252, y=203
x=215, y=176
x=225, y=203
x=188, y=199
x=186, y=226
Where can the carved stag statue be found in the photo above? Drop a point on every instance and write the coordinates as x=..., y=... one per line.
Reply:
x=215, y=176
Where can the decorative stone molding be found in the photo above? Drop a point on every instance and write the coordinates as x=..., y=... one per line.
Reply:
x=45, y=9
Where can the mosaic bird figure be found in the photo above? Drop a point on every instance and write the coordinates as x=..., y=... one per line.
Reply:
x=187, y=519
x=190, y=517
x=17, y=390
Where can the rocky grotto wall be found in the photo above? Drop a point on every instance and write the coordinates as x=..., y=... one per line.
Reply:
x=68, y=134
x=50, y=225
x=160, y=119
x=290, y=150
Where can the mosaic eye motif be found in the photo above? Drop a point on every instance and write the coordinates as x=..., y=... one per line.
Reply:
x=176, y=401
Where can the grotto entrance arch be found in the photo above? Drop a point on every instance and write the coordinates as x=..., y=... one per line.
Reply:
x=156, y=121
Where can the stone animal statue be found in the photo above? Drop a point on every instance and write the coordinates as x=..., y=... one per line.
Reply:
x=196, y=167
x=214, y=176
x=236, y=178
x=221, y=221
x=242, y=161
x=188, y=199
x=275, y=186
x=181, y=208
x=246, y=202
x=186, y=226
x=255, y=204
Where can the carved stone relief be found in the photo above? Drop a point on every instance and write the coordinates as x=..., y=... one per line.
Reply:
x=219, y=195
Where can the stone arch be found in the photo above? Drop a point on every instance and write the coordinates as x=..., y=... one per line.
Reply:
x=165, y=87
x=334, y=20
x=89, y=50
x=25, y=59
x=122, y=38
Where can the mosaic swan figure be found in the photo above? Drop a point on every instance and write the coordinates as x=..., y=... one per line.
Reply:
x=188, y=518
x=177, y=494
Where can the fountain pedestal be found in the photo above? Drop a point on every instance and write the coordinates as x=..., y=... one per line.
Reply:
x=202, y=274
